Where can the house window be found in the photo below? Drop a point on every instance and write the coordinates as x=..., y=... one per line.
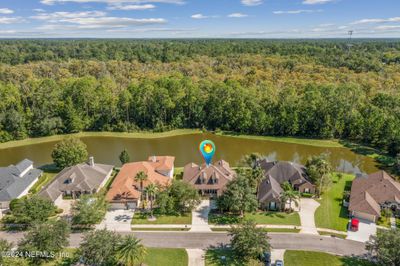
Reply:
x=272, y=205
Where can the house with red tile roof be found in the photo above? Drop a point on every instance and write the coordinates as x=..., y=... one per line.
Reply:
x=125, y=192
x=372, y=193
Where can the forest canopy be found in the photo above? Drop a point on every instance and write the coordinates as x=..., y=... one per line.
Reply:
x=308, y=88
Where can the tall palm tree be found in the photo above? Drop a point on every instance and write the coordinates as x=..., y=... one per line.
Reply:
x=141, y=177
x=130, y=252
x=289, y=194
x=151, y=191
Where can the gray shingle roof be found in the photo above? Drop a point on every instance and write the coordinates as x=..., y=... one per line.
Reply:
x=12, y=184
x=81, y=177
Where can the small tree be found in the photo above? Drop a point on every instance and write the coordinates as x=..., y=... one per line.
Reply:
x=141, y=177
x=289, y=194
x=249, y=242
x=250, y=160
x=99, y=248
x=49, y=238
x=124, y=157
x=385, y=246
x=238, y=197
x=69, y=152
x=89, y=210
x=151, y=191
x=130, y=252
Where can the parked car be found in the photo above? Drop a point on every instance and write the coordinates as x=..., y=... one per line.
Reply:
x=266, y=258
x=279, y=263
x=354, y=224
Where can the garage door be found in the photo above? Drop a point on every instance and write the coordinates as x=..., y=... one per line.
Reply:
x=364, y=216
x=131, y=205
x=117, y=206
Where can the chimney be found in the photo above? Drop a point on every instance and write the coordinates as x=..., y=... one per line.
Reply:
x=153, y=159
x=91, y=161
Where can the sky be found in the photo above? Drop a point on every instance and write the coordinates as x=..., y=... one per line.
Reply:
x=199, y=18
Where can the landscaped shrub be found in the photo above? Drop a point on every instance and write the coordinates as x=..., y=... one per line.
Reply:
x=307, y=195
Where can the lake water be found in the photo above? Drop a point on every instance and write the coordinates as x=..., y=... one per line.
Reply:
x=185, y=149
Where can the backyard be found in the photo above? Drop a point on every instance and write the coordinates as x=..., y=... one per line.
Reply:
x=274, y=218
x=306, y=258
x=331, y=214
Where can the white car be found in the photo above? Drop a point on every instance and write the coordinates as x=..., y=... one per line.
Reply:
x=279, y=263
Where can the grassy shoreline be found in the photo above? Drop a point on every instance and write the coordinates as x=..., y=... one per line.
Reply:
x=172, y=133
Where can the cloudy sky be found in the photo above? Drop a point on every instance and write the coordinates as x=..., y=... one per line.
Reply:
x=199, y=18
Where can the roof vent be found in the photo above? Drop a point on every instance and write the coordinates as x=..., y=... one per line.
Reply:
x=153, y=159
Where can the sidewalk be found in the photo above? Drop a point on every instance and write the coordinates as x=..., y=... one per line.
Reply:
x=196, y=257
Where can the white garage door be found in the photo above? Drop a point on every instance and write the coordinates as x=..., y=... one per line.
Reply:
x=131, y=205
x=117, y=206
x=364, y=216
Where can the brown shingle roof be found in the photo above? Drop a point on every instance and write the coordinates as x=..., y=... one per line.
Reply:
x=125, y=187
x=367, y=193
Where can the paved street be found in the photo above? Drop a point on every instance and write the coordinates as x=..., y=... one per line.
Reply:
x=192, y=240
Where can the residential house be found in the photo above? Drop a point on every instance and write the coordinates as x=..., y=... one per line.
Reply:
x=209, y=180
x=126, y=192
x=84, y=178
x=276, y=173
x=16, y=181
x=372, y=193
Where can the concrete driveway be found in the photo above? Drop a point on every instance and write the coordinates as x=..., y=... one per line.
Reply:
x=307, y=210
x=66, y=205
x=200, y=217
x=365, y=230
x=117, y=220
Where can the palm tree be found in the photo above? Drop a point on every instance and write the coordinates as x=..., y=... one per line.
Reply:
x=151, y=191
x=141, y=177
x=289, y=194
x=130, y=251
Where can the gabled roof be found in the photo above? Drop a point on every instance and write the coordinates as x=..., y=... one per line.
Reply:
x=368, y=192
x=162, y=163
x=125, y=187
x=269, y=189
x=15, y=179
x=219, y=170
x=81, y=177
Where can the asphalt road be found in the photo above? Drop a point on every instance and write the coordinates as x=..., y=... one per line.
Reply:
x=215, y=239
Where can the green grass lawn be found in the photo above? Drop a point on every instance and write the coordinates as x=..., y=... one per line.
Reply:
x=158, y=229
x=46, y=178
x=307, y=258
x=213, y=258
x=166, y=257
x=140, y=218
x=331, y=214
x=278, y=218
x=268, y=230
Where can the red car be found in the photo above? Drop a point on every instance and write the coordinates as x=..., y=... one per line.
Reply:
x=354, y=224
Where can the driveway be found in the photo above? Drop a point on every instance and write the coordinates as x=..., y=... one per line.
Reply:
x=307, y=210
x=66, y=205
x=365, y=230
x=200, y=217
x=117, y=220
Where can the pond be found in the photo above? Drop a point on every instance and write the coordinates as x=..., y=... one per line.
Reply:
x=185, y=149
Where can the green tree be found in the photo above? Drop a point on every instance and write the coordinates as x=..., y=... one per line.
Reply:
x=48, y=238
x=151, y=191
x=130, y=252
x=249, y=242
x=89, y=210
x=4, y=247
x=238, y=197
x=385, y=246
x=289, y=194
x=32, y=210
x=141, y=177
x=319, y=170
x=250, y=160
x=124, y=157
x=99, y=248
x=69, y=152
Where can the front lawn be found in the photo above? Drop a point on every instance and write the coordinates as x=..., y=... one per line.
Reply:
x=306, y=258
x=332, y=214
x=166, y=257
x=275, y=218
x=213, y=258
x=141, y=218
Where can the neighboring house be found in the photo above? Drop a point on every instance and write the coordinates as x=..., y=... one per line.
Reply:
x=276, y=173
x=209, y=180
x=16, y=180
x=84, y=178
x=371, y=193
x=125, y=191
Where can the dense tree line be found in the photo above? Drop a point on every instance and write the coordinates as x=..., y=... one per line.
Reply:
x=323, y=89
